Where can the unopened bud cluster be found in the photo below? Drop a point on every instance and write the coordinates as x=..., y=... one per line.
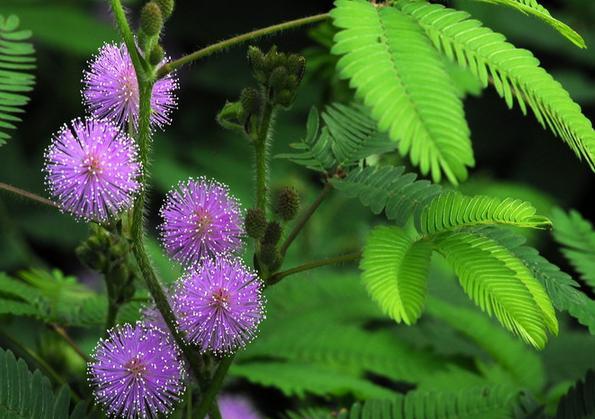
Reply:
x=152, y=17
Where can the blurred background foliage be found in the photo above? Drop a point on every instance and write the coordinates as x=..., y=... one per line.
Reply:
x=515, y=157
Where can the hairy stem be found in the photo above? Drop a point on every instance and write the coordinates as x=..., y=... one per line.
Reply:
x=260, y=151
x=26, y=194
x=236, y=40
x=208, y=399
x=278, y=276
x=303, y=219
x=128, y=37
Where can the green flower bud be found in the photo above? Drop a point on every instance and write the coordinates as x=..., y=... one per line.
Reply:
x=151, y=19
x=287, y=203
x=156, y=55
x=91, y=257
x=166, y=7
x=251, y=100
x=278, y=78
x=285, y=98
x=270, y=256
x=256, y=60
x=296, y=65
x=255, y=223
x=272, y=234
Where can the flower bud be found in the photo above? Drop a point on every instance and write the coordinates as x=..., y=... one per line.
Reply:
x=270, y=256
x=296, y=65
x=156, y=55
x=278, y=78
x=272, y=234
x=251, y=100
x=287, y=203
x=255, y=223
x=285, y=98
x=166, y=7
x=151, y=19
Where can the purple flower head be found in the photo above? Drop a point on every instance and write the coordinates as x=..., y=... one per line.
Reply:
x=92, y=169
x=237, y=407
x=137, y=372
x=200, y=218
x=219, y=305
x=111, y=89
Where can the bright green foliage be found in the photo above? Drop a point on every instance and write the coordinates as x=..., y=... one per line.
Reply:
x=500, y=284
x=349, y=135
x=402, y=78
x=481, y=403
x=514, y=72
x=25, y=395
x=578, y=237
x=453, y=210
x=395, y=269
x=523, y=366
x=563, y=290
x=532, y=7
x=579, y=402
x=390, y=189
x=16, y=63
x=291, y=378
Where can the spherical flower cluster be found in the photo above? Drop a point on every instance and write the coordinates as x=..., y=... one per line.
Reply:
x=111, y=89
x=137, y=372
x=200, y=219
x=236, y=407
x=219, y=304
x=92, y=169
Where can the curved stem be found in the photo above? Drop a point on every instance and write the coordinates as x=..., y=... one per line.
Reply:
x=209, y=397
x=301, y=222
x=127, y=36
x=276, y=277
x=236, y=40
x=27, y=194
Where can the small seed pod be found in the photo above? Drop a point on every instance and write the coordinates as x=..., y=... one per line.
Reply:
x=251, y=100
x=272, y=234
x=287, y=203
x=151, y=19
x=156, y=55
x=255, y=223
x=166, y=7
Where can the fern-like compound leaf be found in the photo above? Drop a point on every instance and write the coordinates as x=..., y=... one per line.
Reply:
x=395, y=269
x=515, y=72
x=486, y=403
x=532, y=7
x=397, y=73
x=500, y=284
x=388, y=189
x=578, y=238
x=24, y=394
x=453, y=210
x=16, y=81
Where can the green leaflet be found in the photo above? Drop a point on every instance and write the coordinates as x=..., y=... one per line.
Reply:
x=452, y=210
x=395, y=269
x=25, y=395
x=16, y=63
x=515, y=72
x=500, y=284
x=532, y=7
x=579, y=402
x=401, y=77
x=578, y=238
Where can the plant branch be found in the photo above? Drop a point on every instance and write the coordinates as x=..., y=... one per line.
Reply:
x=276, y=277
x=260, y=151
x=60, y=331
x=208, y=399
x=236, y=40
x=26, y=194
x=301, y=222
x=128, y=37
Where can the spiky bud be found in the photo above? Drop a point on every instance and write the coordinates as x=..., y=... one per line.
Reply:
x=287, y=203
x=296, y=65
x=257, y=62
x=251, y=100
x=166, y=7
x=255, y=223
x=151, y=19
x=272, y=234
x=278, y=78
x=156, y=55
x=269, y=255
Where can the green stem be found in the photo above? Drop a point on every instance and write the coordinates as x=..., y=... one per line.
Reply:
x=260, y=151
x=276, y=277
x=301, y=222
x=236, y=40
x=26, y=194
x=128, y=37
x=60, y=331
x=215, y=385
